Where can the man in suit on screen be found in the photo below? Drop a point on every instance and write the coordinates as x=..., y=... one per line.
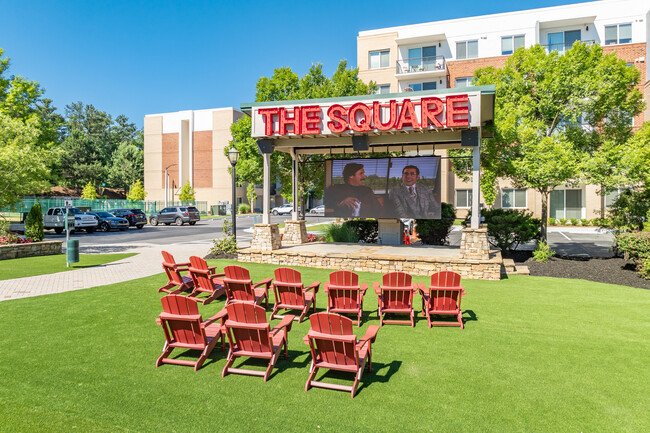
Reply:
x=412, y=200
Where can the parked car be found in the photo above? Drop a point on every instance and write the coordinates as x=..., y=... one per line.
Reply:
x=54, y=218
x=108, y=221
x=178, y=215
x=285, y=209
x=135, y=217
x=318, y=210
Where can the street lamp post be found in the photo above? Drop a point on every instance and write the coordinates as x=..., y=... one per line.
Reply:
x=233, y=156
x=167, y=183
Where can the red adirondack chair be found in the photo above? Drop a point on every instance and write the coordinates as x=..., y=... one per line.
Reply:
x=443, y=298
x=240, y=287
x=205, y=280
x=250, y=335
x=345, y=294
x=184, y=328
x=176, y=279
x=395, y=295
x=335, y=347
x=291, y=294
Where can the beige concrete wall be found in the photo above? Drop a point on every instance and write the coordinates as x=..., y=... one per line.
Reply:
x=365, y=44
x=153, y=184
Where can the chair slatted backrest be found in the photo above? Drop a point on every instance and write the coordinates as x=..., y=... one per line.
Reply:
x=169, y=265
x=238, y=283
x=445, y=291
x=181, y=321
x=344, y=291
x=247, y=324
x=200, y=274
x=396, y=290
x=335, y=343
x=288, y=287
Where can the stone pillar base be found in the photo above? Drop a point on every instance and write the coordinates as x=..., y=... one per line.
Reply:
x=474, y=244
x=295, y=233
x=266, y=237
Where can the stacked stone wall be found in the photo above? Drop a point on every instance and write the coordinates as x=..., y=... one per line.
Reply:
x=16, y=251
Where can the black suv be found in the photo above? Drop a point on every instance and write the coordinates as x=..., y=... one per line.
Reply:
x=135, y=217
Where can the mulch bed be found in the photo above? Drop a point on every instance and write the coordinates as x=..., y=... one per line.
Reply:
x=613, y=270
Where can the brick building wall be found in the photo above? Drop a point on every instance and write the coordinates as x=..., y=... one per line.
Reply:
x=202, y=159
x=169, y=157
x=466, y=68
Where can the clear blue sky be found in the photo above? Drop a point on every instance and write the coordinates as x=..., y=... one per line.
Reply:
x=137, y=58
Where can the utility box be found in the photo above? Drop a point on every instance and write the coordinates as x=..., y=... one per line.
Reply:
x=391, y=232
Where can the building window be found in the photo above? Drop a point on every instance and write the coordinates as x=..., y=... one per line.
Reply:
x=422, y=59
x=509, y=44
x=562, y=41
x=612, y=196
x=379, y=59
x=513, y=198
x=463, y=81
x=619, y=34
x=566, y=203
x=464, y=198
x=466, y=50
x=430, y=85
x=382, y=88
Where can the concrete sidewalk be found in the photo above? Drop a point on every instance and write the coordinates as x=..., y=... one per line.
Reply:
x=146, y=262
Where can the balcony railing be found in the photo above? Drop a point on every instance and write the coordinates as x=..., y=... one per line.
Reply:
x=564, y=47
x=421, y=64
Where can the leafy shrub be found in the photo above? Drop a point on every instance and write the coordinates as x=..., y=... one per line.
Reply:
x=436, y=232
x=137, y=191
x=366, y=230
x=552, y=221
x=630, y=211
x=227, y=244
x=340, y=233
x=34, y=223
x=575, y=221
x=543, y=252
x=507, y=228
x=635, y=246
x=563, y=221
x=8, y=239
x=89, y=192
x=244, y=208
x=584, y=222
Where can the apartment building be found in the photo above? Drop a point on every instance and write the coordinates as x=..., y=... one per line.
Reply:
x=445, y=54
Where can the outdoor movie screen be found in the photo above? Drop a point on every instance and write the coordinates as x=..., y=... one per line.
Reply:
x=401, y=187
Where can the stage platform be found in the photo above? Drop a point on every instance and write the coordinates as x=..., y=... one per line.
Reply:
x=414, y=259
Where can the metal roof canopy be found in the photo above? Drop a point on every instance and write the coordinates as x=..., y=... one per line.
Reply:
x=378, y=141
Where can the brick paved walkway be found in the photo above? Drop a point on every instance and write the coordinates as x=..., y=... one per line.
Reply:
x=146, y=262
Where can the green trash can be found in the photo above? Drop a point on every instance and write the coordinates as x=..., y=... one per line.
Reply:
x=73, y=250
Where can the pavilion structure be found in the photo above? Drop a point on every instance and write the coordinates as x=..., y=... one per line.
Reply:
x=411, y=122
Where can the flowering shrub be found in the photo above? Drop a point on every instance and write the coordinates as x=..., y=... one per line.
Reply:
x=315, y=238
x=8, y=239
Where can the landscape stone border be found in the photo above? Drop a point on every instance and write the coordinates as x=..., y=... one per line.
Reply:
x=17, y=251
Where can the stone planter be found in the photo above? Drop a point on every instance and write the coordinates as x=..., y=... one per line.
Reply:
x=16, y=251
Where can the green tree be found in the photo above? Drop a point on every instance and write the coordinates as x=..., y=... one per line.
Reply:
x=187, y=193
x=34, y=223
x=251, y=195
x=136, y=192
x=127, y=166
x=89, y=192
x=284, y=84
x=557, y=115
x=23, y=164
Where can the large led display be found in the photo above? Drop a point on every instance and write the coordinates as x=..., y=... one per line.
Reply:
x=401, y=187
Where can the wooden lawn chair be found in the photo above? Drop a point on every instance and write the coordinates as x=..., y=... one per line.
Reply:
x=443, y=297
x=291, y=294
x=205, y=280
x=240, y=287
x=173, y=270
x=395, y=295
x=250, y=335
x=334, y=346
x=184, y=328
x=344, y=294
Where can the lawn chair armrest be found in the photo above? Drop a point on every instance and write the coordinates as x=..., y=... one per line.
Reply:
x=326, y=287
x=285, y=322
x=364, y=288
x=217, y=277
x=220, y=315
x=305, y=339
x=212, y=269
x=315, y=285
x=371, y=333
x=266, y=281
x=420, y=287
x=377, y=287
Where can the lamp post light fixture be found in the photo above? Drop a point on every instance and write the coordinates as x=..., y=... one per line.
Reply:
x=233, y=156
x=167, y=182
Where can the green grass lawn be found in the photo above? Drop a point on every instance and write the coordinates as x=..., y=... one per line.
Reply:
x=31, y=266
x=536, y=354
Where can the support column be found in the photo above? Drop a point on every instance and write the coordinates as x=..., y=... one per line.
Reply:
x=266, y=208
x=294, y=184
x=476, y=183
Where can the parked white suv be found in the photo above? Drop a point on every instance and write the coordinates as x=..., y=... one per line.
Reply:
x=285, y=209
x=55, y=219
